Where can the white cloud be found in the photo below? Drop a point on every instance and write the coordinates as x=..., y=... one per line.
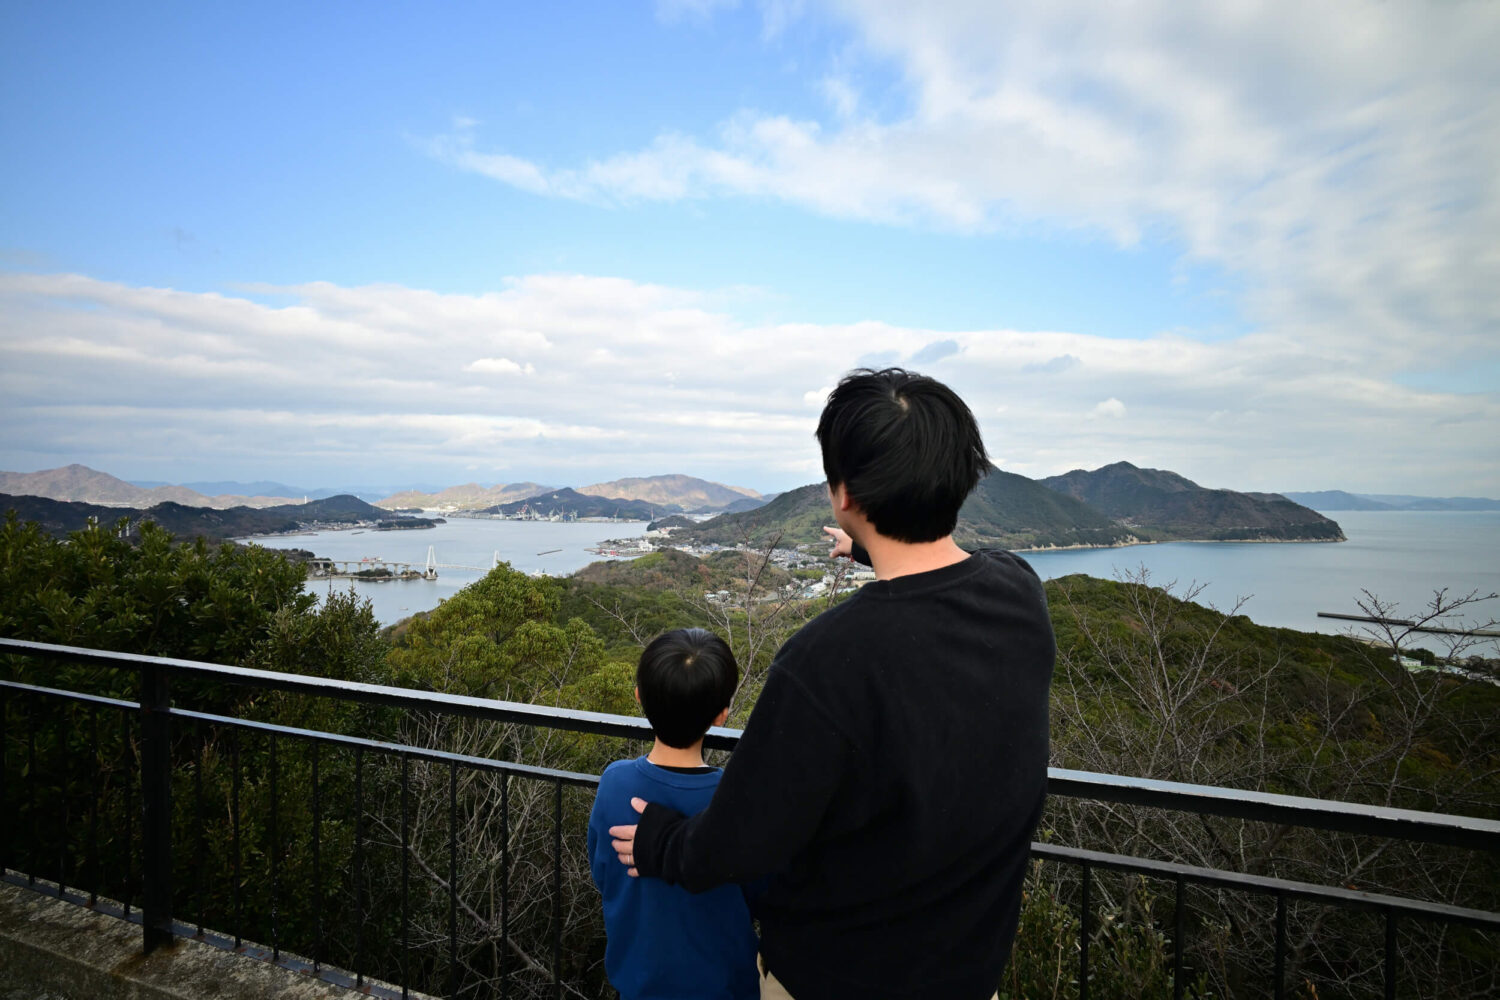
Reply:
x=841, y=96
x=368, y=383
x=1110, y=409
x=1339, y=157
x=499, y=366
x=1053, y=366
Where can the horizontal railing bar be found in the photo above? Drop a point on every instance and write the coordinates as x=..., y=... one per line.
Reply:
x=403, y=750
x=1270, y=807
x=1438, y=828
x=1353, y=899
x=356, y=691
x=79, y=696
x=319, y=736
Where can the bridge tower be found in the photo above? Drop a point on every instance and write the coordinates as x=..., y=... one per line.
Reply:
x=430, y=573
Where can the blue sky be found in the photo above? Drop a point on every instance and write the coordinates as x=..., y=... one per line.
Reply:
x=353, y=243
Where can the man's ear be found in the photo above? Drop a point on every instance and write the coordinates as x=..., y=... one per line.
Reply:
x=722, y=717
x=637, y=696
x=841, y=498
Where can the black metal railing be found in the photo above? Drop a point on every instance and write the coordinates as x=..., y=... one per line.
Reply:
x=161, y=750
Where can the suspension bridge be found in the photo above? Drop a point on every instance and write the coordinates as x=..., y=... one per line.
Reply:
x=433, y=565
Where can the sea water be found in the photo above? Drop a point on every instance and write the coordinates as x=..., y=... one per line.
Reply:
x=552, y=547
x=1399, y=556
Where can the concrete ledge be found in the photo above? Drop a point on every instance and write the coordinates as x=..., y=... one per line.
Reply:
x=51, y=948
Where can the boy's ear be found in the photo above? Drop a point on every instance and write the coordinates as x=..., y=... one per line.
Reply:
x=722, y=717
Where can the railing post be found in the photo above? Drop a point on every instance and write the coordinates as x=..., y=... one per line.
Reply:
x=156, y=808
x=1280, y=959
x=5, y=850
x=1390, y=955
x=1083, y=935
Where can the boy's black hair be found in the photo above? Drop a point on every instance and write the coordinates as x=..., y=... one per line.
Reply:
x=905, y=448
x=686, y=677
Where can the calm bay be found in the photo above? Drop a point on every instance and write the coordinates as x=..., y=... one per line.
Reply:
x=1401, y=556
x=553, y=547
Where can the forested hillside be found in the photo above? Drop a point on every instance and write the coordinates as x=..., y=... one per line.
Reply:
x=684, y=492
x=570, y=503
x=1012, y=512
x=796, y=517
x=1170, y=506
x=1115, y=505
x=59, y=517
x=1005, y=510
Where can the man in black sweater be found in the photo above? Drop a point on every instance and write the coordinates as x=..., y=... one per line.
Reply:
x=893, y=770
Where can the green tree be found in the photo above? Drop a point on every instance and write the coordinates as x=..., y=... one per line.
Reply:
x=500, y=638
x=1149, y=683
x=135, y=589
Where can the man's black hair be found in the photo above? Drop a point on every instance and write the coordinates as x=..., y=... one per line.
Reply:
x=686, y=677
x=905, y=448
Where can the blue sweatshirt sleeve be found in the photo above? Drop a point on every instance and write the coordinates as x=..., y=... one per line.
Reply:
x=601, y=854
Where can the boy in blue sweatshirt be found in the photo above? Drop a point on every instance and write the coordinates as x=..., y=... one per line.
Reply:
x=664, y=943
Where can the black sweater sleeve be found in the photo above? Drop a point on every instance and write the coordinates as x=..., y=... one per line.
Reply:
x=769, y=803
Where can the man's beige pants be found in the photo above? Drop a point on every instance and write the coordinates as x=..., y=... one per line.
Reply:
x=770, y=986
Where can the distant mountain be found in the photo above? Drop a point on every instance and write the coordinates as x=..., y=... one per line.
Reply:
x=797, y=516
x=469, y=496
x=81, y=483
x=1401, y=501
x=263, y=488
x=747, y=503
x=58, y=517
x=669, y=569
x=369, y=494
x=570, y=503
x=1010, y=511
x=1168, y=506
x=1013, y=512
x=1336, y=500
x=1005, y=510
x=686, y=492
x=671, y=522
x=271, y=489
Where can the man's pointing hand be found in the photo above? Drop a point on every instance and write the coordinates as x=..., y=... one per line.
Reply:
x=624, y=840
